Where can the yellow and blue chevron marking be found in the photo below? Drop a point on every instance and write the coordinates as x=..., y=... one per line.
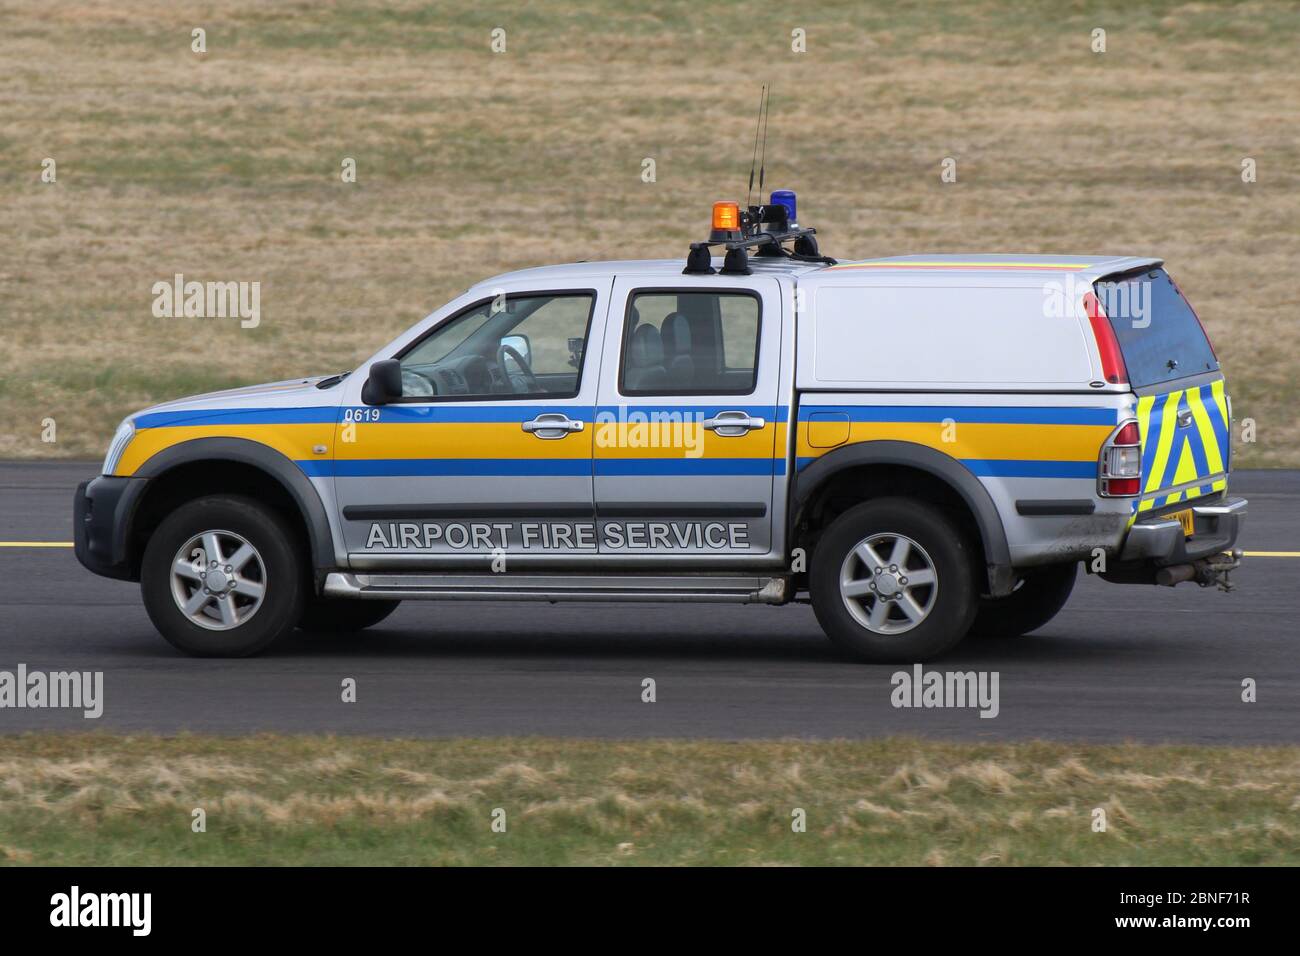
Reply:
x=1177, y=457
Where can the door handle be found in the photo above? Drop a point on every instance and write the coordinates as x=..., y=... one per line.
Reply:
x=732, y=424
x=552, y=425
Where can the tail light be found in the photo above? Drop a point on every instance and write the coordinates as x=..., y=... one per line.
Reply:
x=1112, y=360
x=1119, y=469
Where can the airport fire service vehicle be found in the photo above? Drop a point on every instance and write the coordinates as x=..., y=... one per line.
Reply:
x=921, y=446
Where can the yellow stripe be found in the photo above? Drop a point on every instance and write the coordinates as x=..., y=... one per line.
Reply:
x=1144, y=428
x=293, y=441
x=459, y=440
x=1271, y=554
x=1209, y=444
x=1185, y=470
x=1168, y=422
x=1216, y=389
x=405, y=440
x=977, y=439
x=992, y=266
x=1144, y=417
x=621, y=440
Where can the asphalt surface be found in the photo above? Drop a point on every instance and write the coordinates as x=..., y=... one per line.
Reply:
x=1119, y=663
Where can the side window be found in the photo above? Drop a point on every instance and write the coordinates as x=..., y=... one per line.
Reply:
x=690, y=343
x=520, y=347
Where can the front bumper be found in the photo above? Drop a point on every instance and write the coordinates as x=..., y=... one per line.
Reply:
x=1160, y=540
x=101, y=522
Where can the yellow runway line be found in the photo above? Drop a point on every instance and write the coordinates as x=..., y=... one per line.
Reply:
x=1271, y=554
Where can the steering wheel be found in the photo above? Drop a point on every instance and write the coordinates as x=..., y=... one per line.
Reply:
x=525, y=370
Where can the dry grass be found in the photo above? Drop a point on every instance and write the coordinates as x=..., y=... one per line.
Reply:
x=93, y=799
x=226, y=166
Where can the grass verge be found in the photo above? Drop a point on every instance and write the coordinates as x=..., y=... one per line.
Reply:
x=98, y=799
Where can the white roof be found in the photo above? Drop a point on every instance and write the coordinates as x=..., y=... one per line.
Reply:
x=661, y=268
x=1083, y=267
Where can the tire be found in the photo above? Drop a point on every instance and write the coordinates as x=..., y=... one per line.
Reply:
x=1038, y=598
x=936, y=543
x=263, y=592
x=342, y=615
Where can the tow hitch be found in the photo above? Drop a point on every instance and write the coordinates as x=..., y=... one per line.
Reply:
x=1207, y=572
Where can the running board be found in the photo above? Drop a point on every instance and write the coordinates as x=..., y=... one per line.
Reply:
x=702, y=588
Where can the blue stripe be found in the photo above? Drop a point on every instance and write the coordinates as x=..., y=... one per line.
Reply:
x=435, y=414
x=970, y=414
x=777, y=413
x=448, y=467
x=622, y=467
x=1155, y=420
x=1216, y=421
x=1009, y=468
x=238, y=416
x=538, y=467
x=1182, y=437
x=1000, y=468
x=1199, y=457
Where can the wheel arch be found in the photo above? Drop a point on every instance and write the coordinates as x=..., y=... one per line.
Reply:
x=218, y=465
x=878, y=463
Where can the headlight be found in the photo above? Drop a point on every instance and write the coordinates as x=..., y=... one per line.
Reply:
x=121, y=438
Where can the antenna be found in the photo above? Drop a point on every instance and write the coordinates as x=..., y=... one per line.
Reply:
x=762, y=97
x=763, y=161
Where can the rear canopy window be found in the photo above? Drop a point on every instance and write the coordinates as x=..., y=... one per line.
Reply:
x=1157, y=330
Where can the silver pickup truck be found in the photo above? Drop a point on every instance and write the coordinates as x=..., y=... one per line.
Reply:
x=924, y=447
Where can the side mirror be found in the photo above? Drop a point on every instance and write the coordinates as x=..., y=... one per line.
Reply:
x=384, y=384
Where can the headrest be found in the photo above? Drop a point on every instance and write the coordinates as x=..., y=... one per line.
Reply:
x=676, y=334
x=646, y=348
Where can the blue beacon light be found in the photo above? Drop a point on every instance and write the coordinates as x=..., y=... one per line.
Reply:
x=786, y=198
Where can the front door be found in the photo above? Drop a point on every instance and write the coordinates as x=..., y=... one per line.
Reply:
x=487, y=456
x=689, y=433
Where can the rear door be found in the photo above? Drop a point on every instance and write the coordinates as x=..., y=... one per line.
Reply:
x=1182, y=407
x=690, y=434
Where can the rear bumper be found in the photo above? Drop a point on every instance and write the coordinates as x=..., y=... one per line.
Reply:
x=101, y=520
x=1160, y=541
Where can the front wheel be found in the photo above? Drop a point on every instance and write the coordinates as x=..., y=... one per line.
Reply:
x=221, y=577
x=892, y=580
x=1038, y=598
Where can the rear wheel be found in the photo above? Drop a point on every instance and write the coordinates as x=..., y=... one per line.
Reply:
x=892, y=581
x=221, y=577
x=1038, y=598
x=341, y=615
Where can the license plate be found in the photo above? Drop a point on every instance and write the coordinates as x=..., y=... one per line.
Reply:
x=1187, y=520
